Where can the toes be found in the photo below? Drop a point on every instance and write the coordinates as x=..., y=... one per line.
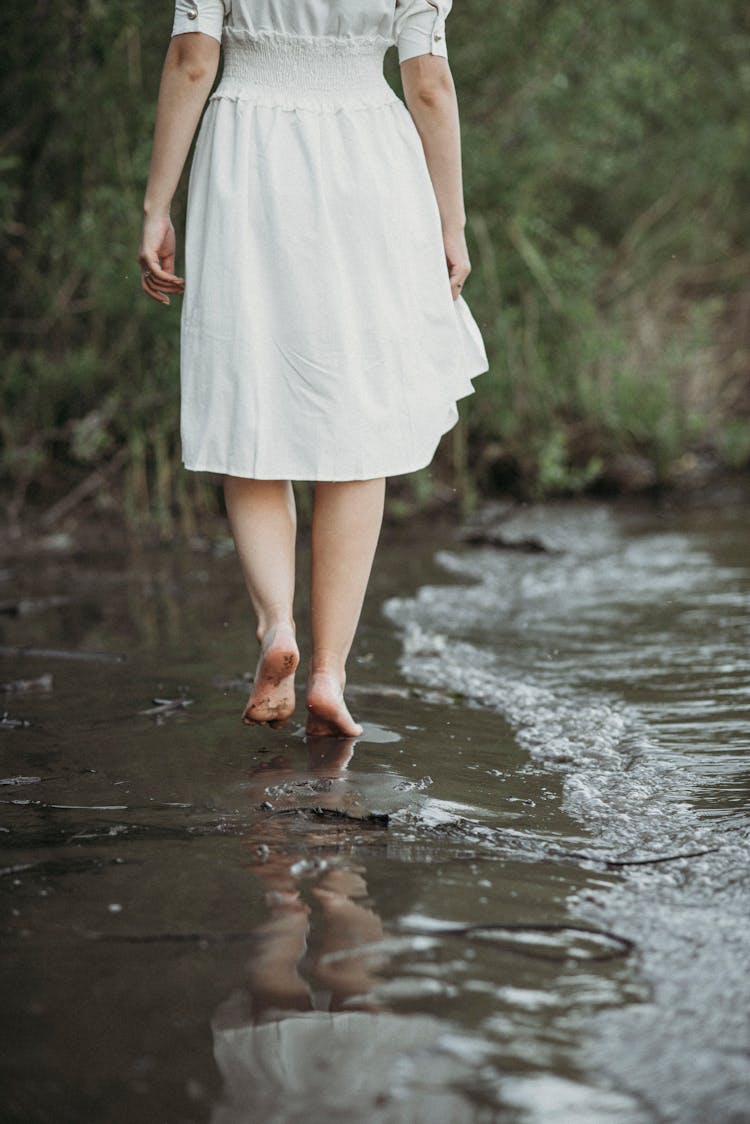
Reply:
x=275, y=718
x=269, y=711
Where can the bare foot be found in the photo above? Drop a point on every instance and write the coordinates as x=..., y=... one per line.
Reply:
x=272, y=697
x=327, y=713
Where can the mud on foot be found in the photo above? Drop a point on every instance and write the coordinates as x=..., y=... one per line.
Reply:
x=272, y=697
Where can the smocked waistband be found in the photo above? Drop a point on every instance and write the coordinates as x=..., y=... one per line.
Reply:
x=303, y=64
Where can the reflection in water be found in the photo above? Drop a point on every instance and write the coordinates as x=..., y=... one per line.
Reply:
x=342, y=920
x=612, y=673
x=306, y=1037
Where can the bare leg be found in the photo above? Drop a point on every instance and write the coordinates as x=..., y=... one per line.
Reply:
x=273, y=973
x=347, y=925
x=346, y=525
x=263, y=521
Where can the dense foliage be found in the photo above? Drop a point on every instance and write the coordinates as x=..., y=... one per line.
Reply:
x=607, y=160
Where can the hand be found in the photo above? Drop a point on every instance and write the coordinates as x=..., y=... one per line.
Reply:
x=156, y=258
x=457, y=257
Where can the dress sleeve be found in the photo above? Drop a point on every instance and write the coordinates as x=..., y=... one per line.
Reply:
x=419, y=27
x=200, y=15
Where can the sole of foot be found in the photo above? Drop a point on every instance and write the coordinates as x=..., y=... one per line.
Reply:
x=327, y=713
x=272, y=698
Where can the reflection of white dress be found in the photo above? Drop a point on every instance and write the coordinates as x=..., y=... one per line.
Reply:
x=316, y=1068
x=319, y=337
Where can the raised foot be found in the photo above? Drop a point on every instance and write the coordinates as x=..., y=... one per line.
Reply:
x=272, y=697
x=327, y=713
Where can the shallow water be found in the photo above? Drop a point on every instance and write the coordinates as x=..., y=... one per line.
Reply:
x=204, y=922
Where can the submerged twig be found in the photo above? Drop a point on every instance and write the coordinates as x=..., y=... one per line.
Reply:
x=8, y=723
x=636, y=862
x=164, y=938
x=167, y=706
x=63, y=654
x=370, y=819
x=624, y=944
x=498, y=837
x=61, y=868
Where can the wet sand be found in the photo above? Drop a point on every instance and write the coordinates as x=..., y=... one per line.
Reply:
x=208, y=922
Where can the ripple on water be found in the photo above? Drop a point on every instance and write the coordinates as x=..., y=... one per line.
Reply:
x=622, y=663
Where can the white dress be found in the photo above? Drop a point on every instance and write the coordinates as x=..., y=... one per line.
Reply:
x=320, y=340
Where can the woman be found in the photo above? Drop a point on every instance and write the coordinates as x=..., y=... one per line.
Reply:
x=324, y=336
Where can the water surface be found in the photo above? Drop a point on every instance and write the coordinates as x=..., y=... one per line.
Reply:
x=204, y=922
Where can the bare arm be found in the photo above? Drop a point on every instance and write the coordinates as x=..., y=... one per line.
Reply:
x=187, y=77
x=431, y=99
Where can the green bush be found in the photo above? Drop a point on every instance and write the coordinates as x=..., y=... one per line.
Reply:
x=606, y=157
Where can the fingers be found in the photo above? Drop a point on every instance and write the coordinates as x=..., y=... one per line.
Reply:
x=164, y=278
x=157, y=279
x=149, y=287
x=457, y=275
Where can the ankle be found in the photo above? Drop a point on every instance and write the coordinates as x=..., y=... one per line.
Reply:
x=272, y=622
x=330, y=664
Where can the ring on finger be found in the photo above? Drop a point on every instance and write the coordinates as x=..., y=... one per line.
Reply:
x=146, y=274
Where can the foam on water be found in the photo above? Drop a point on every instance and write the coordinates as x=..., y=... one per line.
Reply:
x=621, y=659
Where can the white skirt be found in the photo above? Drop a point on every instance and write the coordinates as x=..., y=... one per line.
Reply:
x=320, y=340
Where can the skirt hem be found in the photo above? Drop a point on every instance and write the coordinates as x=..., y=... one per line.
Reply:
x=339, y=478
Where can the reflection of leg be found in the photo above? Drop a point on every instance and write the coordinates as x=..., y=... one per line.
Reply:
x=330, y=756
x=263, y=521
x=346, y=526
x=273, y=978
x=346, y=926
